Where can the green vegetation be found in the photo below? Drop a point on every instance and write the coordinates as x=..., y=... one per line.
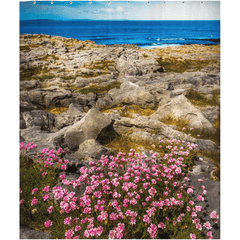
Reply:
x=201, y=101
x=101, y=65
x=98, y=89
x=180, y=66
x=56, y=110
x=30, y=178
x=28, y=47
x=27, y=74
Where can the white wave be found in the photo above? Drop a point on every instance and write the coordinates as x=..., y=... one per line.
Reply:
x=173, y=39
x=161, y=46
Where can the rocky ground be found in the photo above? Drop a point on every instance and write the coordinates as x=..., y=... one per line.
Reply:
x=87, y=98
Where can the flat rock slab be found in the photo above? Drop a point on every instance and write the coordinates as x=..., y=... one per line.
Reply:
x=212, y=199
x=28, y=233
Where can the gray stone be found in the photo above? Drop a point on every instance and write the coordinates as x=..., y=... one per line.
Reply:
x=88, y=128
x=92, y=149
x=180, y=107
x=39, y=118
x=28, y=233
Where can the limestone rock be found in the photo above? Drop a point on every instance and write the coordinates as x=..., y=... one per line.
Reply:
x=92, y=149
x=181, y=108
x=88, y=128
x=39, y=118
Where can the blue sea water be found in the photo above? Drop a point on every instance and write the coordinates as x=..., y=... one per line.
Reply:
x=147, y=34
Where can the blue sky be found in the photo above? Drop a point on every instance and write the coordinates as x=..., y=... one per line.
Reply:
x=116, y=10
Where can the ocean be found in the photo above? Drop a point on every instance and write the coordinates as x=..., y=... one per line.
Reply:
x=146, y=34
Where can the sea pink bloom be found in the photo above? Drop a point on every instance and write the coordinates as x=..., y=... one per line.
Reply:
x=207, y=225
x=22, y=201
x=46, y=197
x=34, y=190
x=214, y=215
x=192, y=236
x=146, y=219
x=191, y=202
x=200, y=198
x=69, y=234
x=46, y=189
x=67, y=221
x=34, y=201
x=200, y=180
x=50, y=209
x=48, y=223
x=44, y=174
x=189, y=190
x=209, y=233
x=77, y=228
x=161, y=225
x=63, y=176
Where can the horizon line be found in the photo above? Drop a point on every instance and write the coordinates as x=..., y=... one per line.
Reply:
x=112, y=20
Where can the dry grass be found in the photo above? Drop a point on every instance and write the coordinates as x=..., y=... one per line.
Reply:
x=56, y=110
x=130, y=109
x=200, y=100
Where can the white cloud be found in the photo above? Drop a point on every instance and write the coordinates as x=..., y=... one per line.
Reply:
x=119, y=9
x=109, y=10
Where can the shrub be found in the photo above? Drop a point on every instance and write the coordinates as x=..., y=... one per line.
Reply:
x=125, y=197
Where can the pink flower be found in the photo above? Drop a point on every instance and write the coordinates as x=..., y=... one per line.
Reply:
x=34, y=201
x=192, y=236
x=200, y=198
x=50, y=209
x=189, y=190
x=146, y=219
x=161, y=225
x=46, y=189
x=64, y=167
x=207, y=225
x=22, y=201
x=69, y=234
x=77, y=228
x=46, y=197
x=48, y=223
x=209, y=233
x=191, y=202
x=67, y=221
x=200, y=180
x=44, y=174
x=214, y=215
x=34, y=190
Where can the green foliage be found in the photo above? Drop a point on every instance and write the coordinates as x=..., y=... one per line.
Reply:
x=200, y=100
x=176, y=65
x=27, y=74
x=98, y=89
x=30, y=178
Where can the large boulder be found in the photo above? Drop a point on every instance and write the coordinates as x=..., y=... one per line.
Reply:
x=39, y=118
x=29, y=233
x=88, y=128
x=91, y=149
x=73, y=115
x=180, y=107
x=132, y=94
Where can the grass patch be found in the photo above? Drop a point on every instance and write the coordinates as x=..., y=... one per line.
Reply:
x=180, y=66
x=137, y=110
x=200, y=100
x=56, y=110
x=101, y=65
x=28, y=47
x=98, y=89
x=30, y=178
x=196, y=133
x=27, y=74
x=145, y=55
